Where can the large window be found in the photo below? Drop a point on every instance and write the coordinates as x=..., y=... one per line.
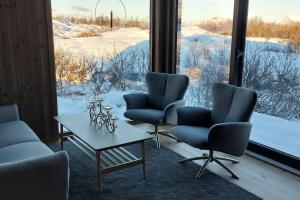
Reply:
x=272, y=69
x=204, y=46
x=101, y=48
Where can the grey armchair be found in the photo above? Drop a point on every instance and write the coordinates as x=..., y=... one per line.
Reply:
x=225, y=128
x=158, y=107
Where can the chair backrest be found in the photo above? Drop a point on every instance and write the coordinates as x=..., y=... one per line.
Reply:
x=232, y=103
x=164, y=89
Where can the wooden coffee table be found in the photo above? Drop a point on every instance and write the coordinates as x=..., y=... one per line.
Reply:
x=103, y=147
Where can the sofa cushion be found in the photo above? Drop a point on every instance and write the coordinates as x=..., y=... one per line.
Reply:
x=23, y=151
x=15, y=132
x=9, y=113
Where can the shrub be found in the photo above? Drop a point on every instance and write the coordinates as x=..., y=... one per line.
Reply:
x=70, y=69
x=257, y=27
x=105, y=21
x=88, y=34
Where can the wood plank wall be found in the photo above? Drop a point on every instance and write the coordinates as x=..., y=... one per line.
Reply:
x=27, y=72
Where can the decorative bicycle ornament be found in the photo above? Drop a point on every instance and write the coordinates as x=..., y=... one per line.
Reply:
x=101, y=115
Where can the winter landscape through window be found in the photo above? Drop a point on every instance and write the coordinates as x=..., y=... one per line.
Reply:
x=97, y=54
x=94, y=58
x=271, y=65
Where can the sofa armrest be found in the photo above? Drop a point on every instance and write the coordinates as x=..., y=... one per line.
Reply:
x=136, y=101
x=39, y=178
x=9, y=113
x=230, y=137
x=194, y=116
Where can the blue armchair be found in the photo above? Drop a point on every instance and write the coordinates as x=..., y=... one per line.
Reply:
x=225, y=128
x=158, y=107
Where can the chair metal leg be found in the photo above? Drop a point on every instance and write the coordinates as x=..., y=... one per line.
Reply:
x=227, y=159
x=165, y=133
x=195, y=158
x=157, y=137
x=226, y=168
x=151, y=132
x=210, y=158
x=203, y=168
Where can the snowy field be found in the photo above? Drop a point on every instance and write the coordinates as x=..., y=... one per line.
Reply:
x=274, y=132
x=108, y=42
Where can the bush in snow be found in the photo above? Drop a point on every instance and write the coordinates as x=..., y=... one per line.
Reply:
x=271, y=71
x=128, y=67
x=120, y=70
x=276, y=79
x=205, y=65
x=70, y=70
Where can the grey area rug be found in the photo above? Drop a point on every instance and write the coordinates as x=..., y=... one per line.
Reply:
x=166, y=179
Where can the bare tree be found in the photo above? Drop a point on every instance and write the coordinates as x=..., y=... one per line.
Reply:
x=276, y=79
x=62, y=59
x=99, y=76
x=213, y=64
x=117, y=68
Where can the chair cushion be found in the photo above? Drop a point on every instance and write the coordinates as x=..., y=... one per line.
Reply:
x=23, y=151
x=151, y=116
x=192, y=135
x=16, y=132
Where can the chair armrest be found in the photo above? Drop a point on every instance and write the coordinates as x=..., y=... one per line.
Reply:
x=231, y=137
x=9, y=113
x=136, y=101
x=44, y=178
x=170, y=115
x=194, y=116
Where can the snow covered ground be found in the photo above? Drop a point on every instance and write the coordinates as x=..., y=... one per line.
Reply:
x=271, y=131
x=106, y=43
x=277, y=133
x=78, y=103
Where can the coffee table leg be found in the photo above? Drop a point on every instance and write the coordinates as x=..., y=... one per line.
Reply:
x=143, y=158
x=98, y=171
x=61, y=134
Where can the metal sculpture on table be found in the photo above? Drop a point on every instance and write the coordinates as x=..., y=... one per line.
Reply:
x=101, y=115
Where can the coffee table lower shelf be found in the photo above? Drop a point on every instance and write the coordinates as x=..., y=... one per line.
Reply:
x=110, y=159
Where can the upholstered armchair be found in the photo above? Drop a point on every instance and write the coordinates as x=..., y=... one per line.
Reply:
x=158, y=106
x=225, y=128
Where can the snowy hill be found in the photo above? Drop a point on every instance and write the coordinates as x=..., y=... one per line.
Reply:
x=290, y=18
x=108, y=42
x=67, y=30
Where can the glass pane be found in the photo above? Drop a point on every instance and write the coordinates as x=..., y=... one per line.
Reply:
x=101, y=48
x=272, y=69
x=204, y=46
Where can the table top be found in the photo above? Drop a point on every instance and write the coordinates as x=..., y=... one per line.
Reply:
x=101, y=139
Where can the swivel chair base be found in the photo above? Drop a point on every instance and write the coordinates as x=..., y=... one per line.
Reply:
x=161, y=132
x=210, y=158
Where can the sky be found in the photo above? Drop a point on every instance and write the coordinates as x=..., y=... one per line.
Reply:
x=134, y=8
x=192, y=10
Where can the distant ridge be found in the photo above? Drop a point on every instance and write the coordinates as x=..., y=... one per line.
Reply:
x=290, y=18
